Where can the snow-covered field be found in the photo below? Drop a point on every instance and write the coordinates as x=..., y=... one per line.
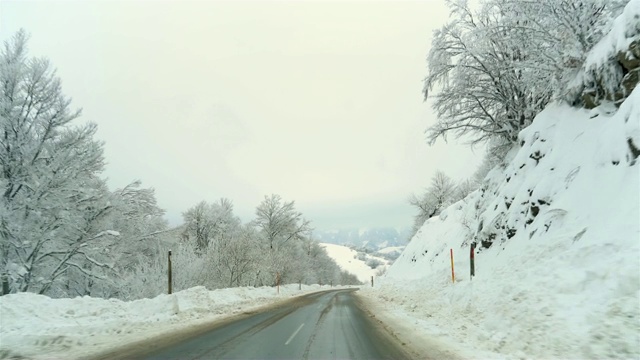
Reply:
x=348, y=260
x=38, y=327
x=562, y=277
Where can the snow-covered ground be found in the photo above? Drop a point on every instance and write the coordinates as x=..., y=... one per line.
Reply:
x=349, y=261
x=38, y=327
x=562, y=276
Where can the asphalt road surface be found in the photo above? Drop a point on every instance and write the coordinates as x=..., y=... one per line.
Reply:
x=327, y=325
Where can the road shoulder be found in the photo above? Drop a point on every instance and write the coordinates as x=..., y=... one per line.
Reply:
x=402, y=328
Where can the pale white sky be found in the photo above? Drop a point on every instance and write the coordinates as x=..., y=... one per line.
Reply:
x=319, y=102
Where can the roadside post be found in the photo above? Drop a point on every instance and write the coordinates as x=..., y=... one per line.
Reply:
x=453, y=276
x=278, y=283
x=5, y=283
x=170, y=282
x=371, y=280
x=473, y=269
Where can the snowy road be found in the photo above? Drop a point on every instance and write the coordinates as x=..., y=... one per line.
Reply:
x=317, y=326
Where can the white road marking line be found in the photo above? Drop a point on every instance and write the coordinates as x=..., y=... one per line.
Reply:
x=294, y=334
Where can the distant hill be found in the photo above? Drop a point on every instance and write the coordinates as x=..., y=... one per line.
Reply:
x=372, y=239
x=362, y=265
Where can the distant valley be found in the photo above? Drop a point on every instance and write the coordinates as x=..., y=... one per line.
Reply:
x=385, y=242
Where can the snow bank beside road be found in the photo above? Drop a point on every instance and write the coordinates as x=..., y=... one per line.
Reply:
x=38, y=327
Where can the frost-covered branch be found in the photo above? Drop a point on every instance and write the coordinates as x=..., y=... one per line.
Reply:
x=507, y=60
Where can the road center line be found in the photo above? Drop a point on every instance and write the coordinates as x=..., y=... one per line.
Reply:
x=294, y=334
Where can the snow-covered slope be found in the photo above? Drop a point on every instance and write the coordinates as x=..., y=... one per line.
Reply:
x=561, y=275
x=38, y=327
x=557, y=230
x=356, y=263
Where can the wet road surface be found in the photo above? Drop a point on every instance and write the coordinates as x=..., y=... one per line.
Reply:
x=327, y=325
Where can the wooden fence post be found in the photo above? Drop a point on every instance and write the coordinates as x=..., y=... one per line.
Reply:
x=170, y=282
x=5, y=284
x=473, y=266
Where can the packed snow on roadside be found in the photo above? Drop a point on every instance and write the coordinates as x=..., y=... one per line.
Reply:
x=38, y=327
x=356, y=263
x=561, y=278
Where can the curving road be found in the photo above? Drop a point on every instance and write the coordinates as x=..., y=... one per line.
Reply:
x=327, y=325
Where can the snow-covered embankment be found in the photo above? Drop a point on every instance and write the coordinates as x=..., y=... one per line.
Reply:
x=558, y=237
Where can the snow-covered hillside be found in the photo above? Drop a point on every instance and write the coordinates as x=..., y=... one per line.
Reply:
x=558, y=246
x=372, y=239
x=362, y=265
x=38, y=327
x=561, y=275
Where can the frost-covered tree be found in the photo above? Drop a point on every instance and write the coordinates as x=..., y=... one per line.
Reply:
x=438, y=196
x=139, y=223
x=482, y=92
x=282, y=229
x=52, y=199
x=559, y=34
x=207, y=224
x=237, y=260
x=463, y=189
x=347, y=278
x=279, y=222
x=138, y=214
x=62, y=232
x=491, y=70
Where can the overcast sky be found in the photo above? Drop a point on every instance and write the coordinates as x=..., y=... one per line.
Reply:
x=319, y=102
